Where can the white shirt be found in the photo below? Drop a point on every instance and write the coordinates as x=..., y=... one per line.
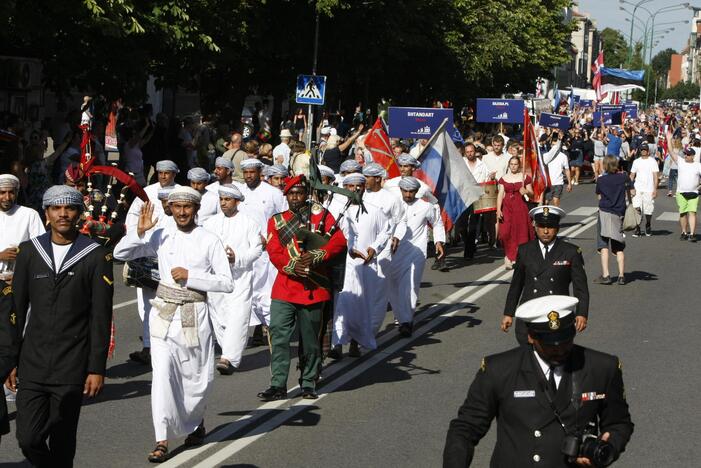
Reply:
x=282, y=150
x=262, y=203
x=17, y=225
x=556, y=168
x=477, y=169
x=545, y=367
x=209, y=206
x=688, y=176
x=424, y=190
x=59, y=252
x=542, y=246
x=644, y=170
x=496, y=163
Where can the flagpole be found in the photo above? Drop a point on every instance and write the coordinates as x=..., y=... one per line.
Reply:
x=433, y=137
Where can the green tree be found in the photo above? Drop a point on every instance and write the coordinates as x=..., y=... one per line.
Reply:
x=615, y=48
x=681, y=91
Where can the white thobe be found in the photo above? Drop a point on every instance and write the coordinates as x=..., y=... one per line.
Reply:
x=231, y=312
x=394, y=209
x=209, y=206
x=408, y=262
x=182, y=375
x=424, y=192
x=144, y=296
x=18, y=224
x=260, y=204
x=353, y=311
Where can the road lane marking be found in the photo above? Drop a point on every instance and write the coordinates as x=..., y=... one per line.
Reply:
x=583, y=211
x=123, y=304
x=467, y=294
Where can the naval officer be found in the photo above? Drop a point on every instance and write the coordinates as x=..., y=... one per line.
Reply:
x=557, y=404
x=546, y=266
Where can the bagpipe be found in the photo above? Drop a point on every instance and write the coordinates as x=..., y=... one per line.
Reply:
x=96, y=223
x=318, y=236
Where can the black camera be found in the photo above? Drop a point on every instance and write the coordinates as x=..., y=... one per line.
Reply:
x=599, y=452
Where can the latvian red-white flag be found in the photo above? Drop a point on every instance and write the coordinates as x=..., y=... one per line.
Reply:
x=596, y=80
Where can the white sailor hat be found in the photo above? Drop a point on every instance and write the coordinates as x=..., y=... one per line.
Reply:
x=550, y=319
x=547, y=215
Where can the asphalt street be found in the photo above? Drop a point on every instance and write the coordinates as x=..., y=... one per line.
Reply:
x=391, y=407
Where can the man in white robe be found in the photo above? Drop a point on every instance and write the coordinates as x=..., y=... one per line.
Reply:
x=367, y=233
x=261, y=202
x=191, y=263
x=199, y=180
x=166, y=170
x=407, y=165
x=17, y=224
x=407, y=266
x=231, y=312
x=394, y=209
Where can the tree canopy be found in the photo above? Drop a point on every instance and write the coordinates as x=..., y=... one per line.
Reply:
x=615, y=48
x=408, y=50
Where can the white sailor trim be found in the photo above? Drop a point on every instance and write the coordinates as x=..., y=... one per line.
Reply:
x=44, y=254
x=75, y=258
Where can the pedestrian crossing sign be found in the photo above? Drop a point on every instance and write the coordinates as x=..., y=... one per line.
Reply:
x=311, y=89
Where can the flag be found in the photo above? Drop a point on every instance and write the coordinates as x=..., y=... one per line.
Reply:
x=596, y=80
x=556, y=99
x=571, y=98
x=533, y=163
x=445, y=172
x=377, y=142
x=618, y=79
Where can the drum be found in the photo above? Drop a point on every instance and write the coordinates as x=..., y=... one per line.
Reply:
x=141, y=273
x=488, y=200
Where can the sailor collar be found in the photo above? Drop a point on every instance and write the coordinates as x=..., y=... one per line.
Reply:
x=81, y=247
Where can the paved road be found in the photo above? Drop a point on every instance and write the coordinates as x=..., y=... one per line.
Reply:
x=392, y=407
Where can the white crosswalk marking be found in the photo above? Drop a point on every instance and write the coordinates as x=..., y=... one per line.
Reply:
x=584, y=211
x=669, y=216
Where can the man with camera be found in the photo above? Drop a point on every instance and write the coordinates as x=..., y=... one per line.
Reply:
x=556, y=403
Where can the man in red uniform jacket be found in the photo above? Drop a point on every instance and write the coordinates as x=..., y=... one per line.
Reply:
x=301, y=241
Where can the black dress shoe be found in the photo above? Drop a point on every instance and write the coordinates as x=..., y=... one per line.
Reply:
x=336, y=353
x=309, y=393
x=142, y=357
x=272, y=394
x=354, y=349
x=405, y=330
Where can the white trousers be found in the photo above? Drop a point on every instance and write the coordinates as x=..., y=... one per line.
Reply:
x=182, y=378
x=645, y=201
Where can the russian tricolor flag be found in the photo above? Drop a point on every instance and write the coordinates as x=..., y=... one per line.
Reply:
x=443, y=169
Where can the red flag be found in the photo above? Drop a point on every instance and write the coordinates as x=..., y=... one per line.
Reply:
x=533, y=163
x=596, y=80
x=377, y=142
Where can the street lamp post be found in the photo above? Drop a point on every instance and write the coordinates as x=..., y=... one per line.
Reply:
x=310, y=110
x=680, y=6
x=630, y=38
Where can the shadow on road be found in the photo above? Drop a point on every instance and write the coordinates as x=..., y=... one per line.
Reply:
x=127, y=370
x=121, y=391
x=640, y=276
x=259, y=359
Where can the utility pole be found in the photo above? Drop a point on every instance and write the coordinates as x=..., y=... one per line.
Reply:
x=310, y=110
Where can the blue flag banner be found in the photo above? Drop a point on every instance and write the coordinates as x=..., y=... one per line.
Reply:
x=561, y=122
x=419, y=122
x=500, y=110
x=610, y=117
x=586, y=102
x=631, y=110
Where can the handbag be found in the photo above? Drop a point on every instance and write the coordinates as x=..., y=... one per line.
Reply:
x=631, y=218
x=690, y=195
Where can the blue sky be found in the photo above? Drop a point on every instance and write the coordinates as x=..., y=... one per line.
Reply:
x=606, y=13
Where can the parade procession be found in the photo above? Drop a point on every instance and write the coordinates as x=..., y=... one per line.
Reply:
x=414, y=234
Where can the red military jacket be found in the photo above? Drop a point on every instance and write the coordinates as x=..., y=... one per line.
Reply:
x=285, y=246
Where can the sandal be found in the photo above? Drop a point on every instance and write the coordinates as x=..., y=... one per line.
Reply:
x=159, y=454
x=196, y=437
